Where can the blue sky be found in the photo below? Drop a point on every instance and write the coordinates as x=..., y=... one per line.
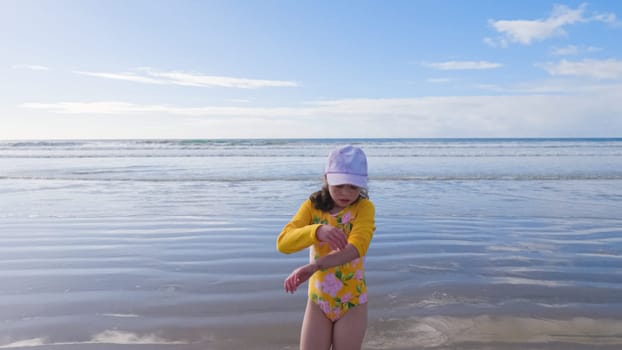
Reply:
x=296, y=69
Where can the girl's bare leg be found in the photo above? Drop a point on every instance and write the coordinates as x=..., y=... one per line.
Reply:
x=317, y=329
x=349, y=330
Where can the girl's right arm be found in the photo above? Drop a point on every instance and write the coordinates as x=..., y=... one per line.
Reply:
x=298, y=234
x=303, y=273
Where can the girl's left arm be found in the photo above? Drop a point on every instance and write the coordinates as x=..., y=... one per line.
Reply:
x=363, y=227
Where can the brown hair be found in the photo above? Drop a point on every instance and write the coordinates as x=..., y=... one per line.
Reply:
x=322, y=200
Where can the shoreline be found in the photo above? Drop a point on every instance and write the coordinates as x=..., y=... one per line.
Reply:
x=431, y=332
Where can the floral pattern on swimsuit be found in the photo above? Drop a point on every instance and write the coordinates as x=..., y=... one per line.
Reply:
x=336, y=290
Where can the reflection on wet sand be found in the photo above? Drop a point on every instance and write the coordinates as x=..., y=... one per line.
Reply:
x=492, y=331
x=109, y=337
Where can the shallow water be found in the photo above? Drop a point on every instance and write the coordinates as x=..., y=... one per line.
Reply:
x=171, y=245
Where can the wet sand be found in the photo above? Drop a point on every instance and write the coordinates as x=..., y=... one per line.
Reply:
x=203, y=283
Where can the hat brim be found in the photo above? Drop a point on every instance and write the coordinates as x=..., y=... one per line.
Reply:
x=336, y=179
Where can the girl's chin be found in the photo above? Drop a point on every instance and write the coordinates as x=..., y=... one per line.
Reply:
x=342, y=204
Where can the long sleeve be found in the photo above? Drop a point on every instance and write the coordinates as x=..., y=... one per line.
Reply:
x=299, y=233
x=363, y=227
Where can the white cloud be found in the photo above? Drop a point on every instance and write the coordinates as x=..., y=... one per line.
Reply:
x=149, y=76
x=440, y=80
x=609, y=18
x=239, y=100
x=127, y=76
x=565, y=51
x=181, y=78
x=119, y=108
x=592, y=112
x=552, y=87
x=528, y=31
x=87, y=108
x=30, y=67
x=610, y=69
x=573, y=50
x=462, y=65
x=496, y=42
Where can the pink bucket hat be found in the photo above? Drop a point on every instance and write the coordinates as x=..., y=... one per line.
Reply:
x=347, y=165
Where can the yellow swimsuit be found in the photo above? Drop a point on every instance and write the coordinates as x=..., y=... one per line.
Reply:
x=335, y=290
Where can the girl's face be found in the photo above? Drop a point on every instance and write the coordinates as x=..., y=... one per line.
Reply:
x=344, y=195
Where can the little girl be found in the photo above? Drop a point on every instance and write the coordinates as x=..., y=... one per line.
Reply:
x=337, y=223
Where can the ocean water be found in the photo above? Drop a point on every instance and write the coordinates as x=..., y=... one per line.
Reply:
x=170, y=244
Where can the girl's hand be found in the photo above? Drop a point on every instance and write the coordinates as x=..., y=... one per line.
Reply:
x=335, y=238
x=298, y=277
